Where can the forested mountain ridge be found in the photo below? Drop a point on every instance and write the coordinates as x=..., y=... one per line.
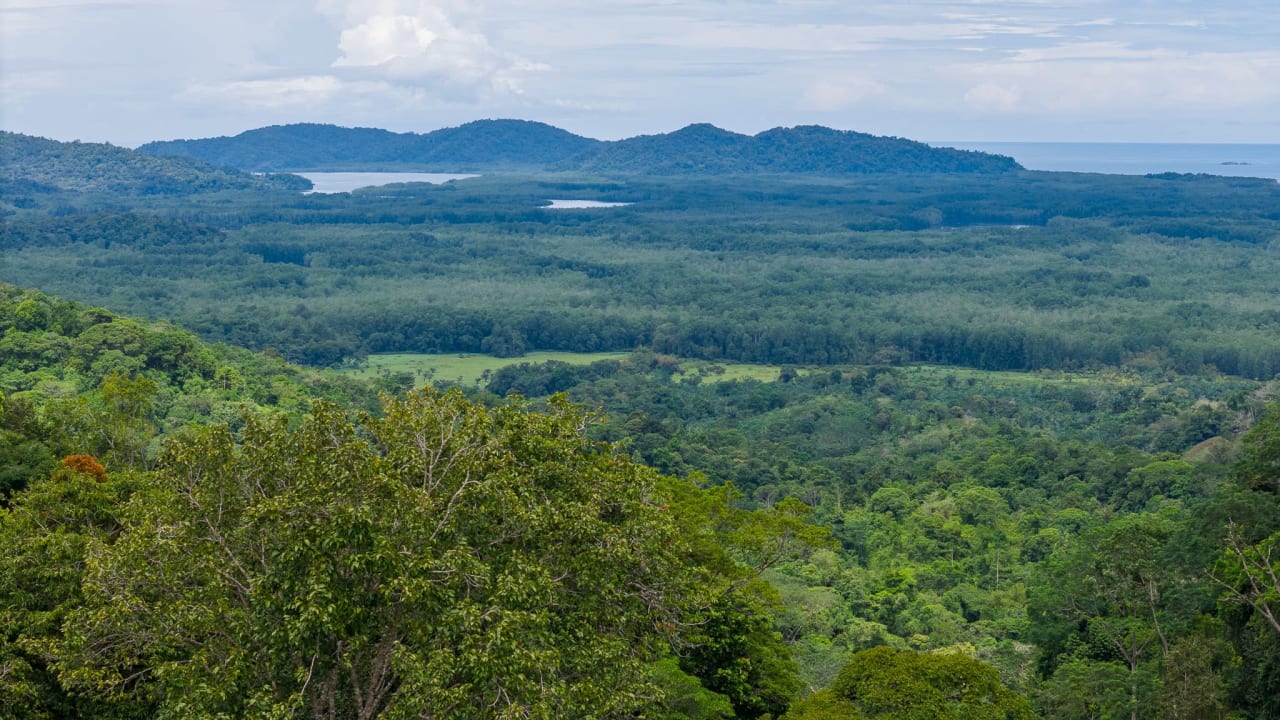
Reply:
x=482, y=144
x=523, y=145
x=708, y=150
x=33, y=164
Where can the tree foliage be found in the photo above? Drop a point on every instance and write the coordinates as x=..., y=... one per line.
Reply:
x=906, y=685
x=442, y=560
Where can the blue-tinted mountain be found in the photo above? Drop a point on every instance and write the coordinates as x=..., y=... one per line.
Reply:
x=816, y=149
x=706, y=149
x=301, y=146
x=524, y=145
x=35, y=165
x=697, y=149
x=479, y=145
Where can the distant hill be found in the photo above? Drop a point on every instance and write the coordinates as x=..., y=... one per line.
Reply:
x=479, y=145
x=523, y=145
x=38, y=165
x=706, y=149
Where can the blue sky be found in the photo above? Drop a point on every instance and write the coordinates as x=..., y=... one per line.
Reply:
x=128, y=71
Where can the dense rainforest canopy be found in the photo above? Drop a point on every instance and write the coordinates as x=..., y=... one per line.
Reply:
x=1072, y=512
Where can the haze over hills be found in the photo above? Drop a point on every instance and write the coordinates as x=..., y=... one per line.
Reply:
x=36, y=164
x=526, y=145
x=486, y=144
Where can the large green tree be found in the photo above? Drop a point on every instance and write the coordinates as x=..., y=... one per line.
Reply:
x=1102, y=598
x=44, y=534
x=906, y=685
x=443, y=560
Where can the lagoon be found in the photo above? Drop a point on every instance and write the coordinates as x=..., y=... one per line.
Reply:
x=582, y=204
x=340, y=182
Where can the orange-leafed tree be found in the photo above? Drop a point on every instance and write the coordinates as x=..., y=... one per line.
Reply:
x=85, y=465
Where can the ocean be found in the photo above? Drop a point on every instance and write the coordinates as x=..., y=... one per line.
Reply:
x=1137, y=158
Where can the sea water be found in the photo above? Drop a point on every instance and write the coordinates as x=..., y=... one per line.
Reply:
x=1232, y=159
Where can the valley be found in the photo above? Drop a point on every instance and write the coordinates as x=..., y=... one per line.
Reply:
x=751, y=440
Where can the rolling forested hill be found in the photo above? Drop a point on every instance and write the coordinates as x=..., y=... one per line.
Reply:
x=32, y=164
x=483, y=144
x=523, y=145
x=708, y=150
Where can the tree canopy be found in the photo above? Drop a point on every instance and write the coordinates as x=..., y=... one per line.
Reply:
x=907, y=685
x=443, y=560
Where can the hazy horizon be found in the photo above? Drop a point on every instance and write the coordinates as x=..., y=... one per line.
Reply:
x=132, y=71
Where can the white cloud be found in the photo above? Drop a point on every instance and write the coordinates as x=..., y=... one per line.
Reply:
x=383, y=38
x=992, y=97
x=1088, y=51
x=419, y=42
x=64, y=4
x=273, y=94
x=832, y=94
x=1108, y=79
x=840, y=38
x=18, y=86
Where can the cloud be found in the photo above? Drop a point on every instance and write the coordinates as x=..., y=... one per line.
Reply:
x=832, y=94
x=1113, y=79
x=419, y=42
x=382, y=39
x=273, y=94
x=1108, y=50
x=18, y=86
x=992, y=97
x=835, y=38
x=65, y=5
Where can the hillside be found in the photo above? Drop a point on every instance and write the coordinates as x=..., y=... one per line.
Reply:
x=38, y=165
x=522, y=145
x=708, y=150
x=80, y=379
x=1001, y=529
x=479, y=145
x=111, y=428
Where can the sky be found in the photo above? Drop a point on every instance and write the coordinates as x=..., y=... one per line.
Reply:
x=130, y=71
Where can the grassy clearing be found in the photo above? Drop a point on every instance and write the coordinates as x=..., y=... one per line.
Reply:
x=468, y=369
x=463, y=369
x=724, y=372
x=1014, y=379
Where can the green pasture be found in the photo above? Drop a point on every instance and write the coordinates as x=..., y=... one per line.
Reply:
x=462, y=368
x=1016, y=379
x=469, y=368
x=726, y=371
